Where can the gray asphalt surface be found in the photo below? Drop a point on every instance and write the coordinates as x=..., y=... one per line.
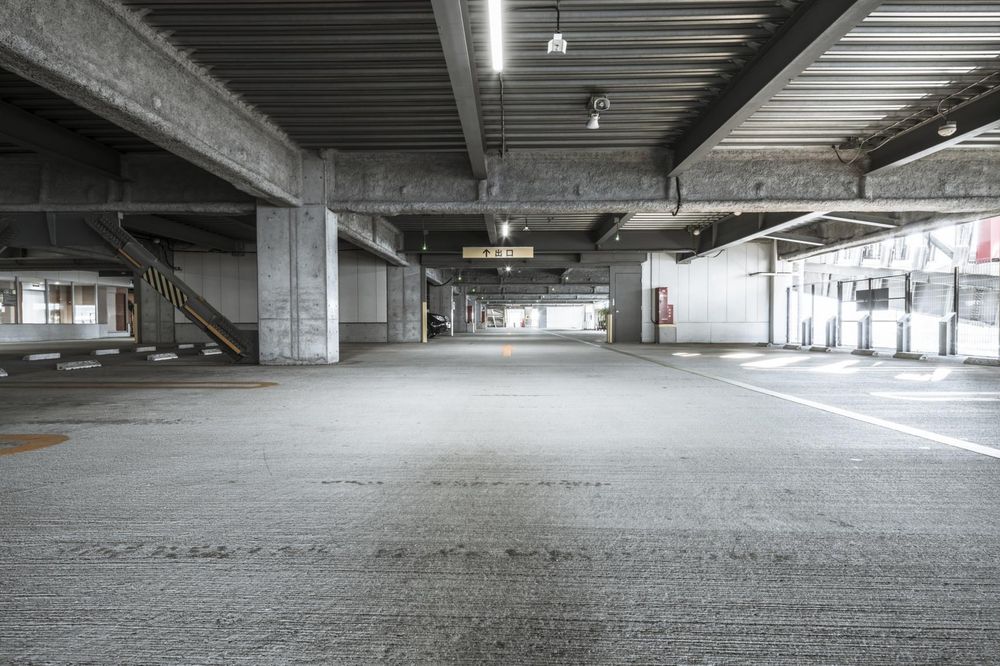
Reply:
x=502, y=499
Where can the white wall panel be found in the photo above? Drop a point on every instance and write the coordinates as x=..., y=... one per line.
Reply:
x=362, y=287
x=715, y=299
x=227, y=283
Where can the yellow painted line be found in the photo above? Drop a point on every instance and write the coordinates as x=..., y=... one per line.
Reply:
x=130, y=259
x=138, y=385
x=28, y=442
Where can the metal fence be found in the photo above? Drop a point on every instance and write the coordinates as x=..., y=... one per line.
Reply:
x=933, y=313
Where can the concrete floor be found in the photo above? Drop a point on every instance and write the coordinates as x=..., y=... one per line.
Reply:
x=509, y=498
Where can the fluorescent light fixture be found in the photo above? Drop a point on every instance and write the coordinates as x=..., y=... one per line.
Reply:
x=505, y=229
x=496, y=34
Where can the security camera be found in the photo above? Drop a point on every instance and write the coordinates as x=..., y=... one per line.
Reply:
x=948, y=128
x=599, y=103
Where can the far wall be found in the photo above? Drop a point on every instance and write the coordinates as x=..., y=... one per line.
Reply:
x=715, y=299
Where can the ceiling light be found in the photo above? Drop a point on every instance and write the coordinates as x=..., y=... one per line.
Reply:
x=496, y=34
x=738, y=213
x=505, y=229
x=696, y=231
x=557, y=44
x=526, y=226
x=507, y=268
x=618, y=236
x=948, y=128
x=594, y=122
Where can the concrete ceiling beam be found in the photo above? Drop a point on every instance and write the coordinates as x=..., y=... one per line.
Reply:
x=452, y=242
x=375, y=235
x=633, y=181
x=157, y=184
x=102, y=56
x=166, y=228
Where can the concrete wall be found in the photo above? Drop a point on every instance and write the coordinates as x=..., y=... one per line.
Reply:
x=714, y=298
x=363, y=300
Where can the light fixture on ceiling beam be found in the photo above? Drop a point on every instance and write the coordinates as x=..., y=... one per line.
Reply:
x=496, y=34
x=947, y=128
x=505, y=229
x=557, y=44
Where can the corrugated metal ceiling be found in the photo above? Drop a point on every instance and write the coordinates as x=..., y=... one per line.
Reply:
x=39, y=101
x=892, y=71
x=347, y=74
x=659, y=62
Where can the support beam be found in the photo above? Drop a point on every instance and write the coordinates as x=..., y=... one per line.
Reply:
x=862, y=220
x=800, y=239
x=491, y=228
x=32, y=264
x=374, y=235
x=157, y=183
x=629, y=181
x=811, y=31
x=745, y=228
x=977, y=117
x=911, y=225
x=45, y=137
x=166, y=228
x=137, y=80
x=607, y=229
x=672, y=240
x=452, y=17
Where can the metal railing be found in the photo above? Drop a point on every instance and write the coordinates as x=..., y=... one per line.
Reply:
x=934, y=313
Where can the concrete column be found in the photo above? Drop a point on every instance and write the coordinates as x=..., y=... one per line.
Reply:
x=406, y=290
x=543, y=317
x=154, y=316
x=440, y=299
x=297, y=278
x=458, y=323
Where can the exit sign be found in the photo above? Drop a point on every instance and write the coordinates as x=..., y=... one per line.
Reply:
x=504, y=252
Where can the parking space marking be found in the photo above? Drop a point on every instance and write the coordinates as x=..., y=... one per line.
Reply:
x=138, y=385
x=11, y=444
x=871, y=420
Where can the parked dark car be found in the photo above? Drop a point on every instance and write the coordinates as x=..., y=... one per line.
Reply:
x=437, y=324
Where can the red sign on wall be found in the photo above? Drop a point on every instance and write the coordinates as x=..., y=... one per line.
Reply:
x=988, y=248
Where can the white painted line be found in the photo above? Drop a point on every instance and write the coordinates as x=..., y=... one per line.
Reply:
x=940, y=396
x=165, y=356
x=211, y=352
x=871, y=420
x=78, y=365
x=143, y=350
x=211, y=344
x=186, y=345
x=105, y=352
x=43, y=357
